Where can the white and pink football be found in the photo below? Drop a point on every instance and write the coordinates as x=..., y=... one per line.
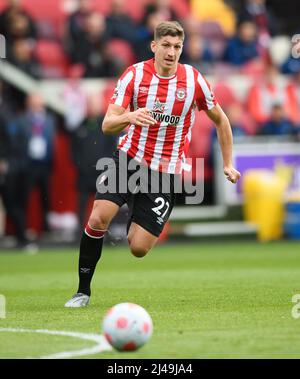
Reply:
x=127, y=326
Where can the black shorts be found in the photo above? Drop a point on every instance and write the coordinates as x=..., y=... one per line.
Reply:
x=149, y=194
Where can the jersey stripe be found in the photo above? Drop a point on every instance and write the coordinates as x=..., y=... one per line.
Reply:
x=163, y=125
x=139, y=69
x=184, y=119
x=141, y=77
x=122, y=88
x=126, y=142
x=171, y=131
x=209, y=99
x=152, y=137
x=187, y=133
x=144, y=131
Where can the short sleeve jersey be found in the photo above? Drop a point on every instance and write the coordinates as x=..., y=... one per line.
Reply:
x=172, y=101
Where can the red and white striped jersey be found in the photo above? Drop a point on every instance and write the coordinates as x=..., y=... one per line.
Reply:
x=172, y=102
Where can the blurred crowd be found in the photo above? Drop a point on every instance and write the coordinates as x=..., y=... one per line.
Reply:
x=222, y=39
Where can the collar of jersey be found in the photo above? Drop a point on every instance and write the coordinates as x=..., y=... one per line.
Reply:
x=163, y=77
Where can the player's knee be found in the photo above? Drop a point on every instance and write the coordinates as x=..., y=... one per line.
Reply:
x=98, y=222
x=139, y=251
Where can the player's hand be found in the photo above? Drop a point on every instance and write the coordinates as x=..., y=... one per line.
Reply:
x=232, y=174
x=141, y=117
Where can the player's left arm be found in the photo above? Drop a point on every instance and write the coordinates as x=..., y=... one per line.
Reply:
x=219, y=118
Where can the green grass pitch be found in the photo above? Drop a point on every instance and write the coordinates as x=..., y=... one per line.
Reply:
x=207, y=300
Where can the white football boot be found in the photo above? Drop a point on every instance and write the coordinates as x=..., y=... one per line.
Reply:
x=78, y=300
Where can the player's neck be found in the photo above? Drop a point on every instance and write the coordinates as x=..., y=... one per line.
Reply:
x=160, y=71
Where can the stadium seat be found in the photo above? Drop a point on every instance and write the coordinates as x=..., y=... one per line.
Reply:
x=182, y=8
x=54, y=12
x=49, y=15
x=122, y=50
x=255, y=69
x=52, y=58
x=224, y=94
x=49, y=12
x=2, y=4
x=135, y=8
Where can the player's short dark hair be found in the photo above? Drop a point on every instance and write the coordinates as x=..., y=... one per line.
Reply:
x=168, y=28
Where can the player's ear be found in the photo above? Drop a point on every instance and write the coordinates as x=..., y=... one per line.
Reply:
x=153, y=47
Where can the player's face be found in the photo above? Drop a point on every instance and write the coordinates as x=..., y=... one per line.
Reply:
x=167, y=51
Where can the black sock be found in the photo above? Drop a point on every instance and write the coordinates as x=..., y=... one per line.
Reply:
x=90, y=253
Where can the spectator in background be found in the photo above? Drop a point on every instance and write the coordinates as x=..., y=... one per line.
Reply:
x=278, y=124
x=257, y=12
x=76, y=23
x=4, y=147
x=192, y=26
x=165, y=8
x=5, y=101
x=119, y=24
x=11, y=100
x=39, y=127
x=242, y=48
x=13, y=175
x=75, y=98
x=90, y=49
x=198, y=54
x=145, y=32
x=265, y=93
x=88, y=144
x=20, y=32
x=291, y=65
x=16, y=23
x=21, y=55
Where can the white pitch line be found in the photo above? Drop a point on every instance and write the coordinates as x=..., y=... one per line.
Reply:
x=101, y=343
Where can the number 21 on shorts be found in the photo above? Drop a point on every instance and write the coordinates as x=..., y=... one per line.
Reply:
x=159, y=210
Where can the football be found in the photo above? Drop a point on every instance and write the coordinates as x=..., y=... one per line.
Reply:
x=127, y=326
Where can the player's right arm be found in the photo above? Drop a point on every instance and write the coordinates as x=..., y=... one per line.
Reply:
x=116, y=119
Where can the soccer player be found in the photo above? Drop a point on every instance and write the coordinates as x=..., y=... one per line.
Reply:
x=162, y=95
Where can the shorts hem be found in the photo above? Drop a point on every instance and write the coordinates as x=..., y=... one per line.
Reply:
x=103, y=196
x=146, y=226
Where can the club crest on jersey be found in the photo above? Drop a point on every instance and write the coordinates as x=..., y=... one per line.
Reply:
x=180, y=94
x=158, y=106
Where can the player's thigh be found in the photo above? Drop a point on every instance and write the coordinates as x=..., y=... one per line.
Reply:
x=152, y=211
x=149, y=215
x=102, y=213
x=140, y=240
